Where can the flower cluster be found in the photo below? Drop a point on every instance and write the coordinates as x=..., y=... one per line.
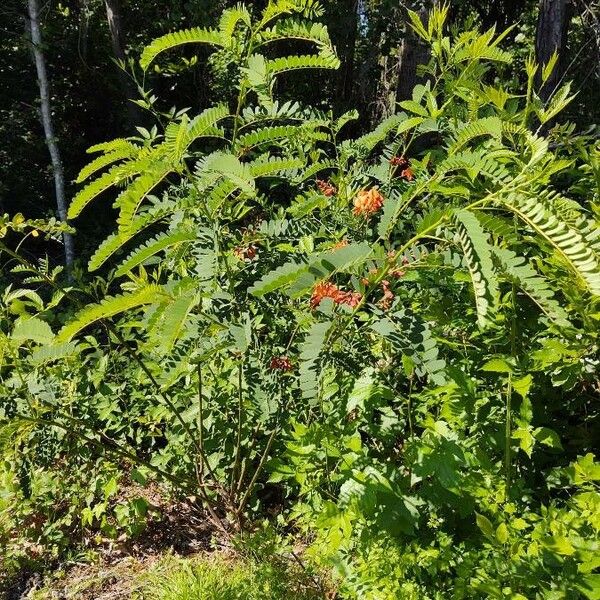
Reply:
x=281, y=363
x=326, y=188
x=404, y=166
x=340, y=244
x=247, y=253
x=400, y=161
x=367, y=202
x=326, y=289
x=397, y=273
x=388, y=295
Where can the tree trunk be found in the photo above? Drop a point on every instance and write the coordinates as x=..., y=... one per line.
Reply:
x=347, y=52
x=551, y=36
x=113, y=16
x=412, y=53
x=84, y=29
x=503, y=14
x=46, y=113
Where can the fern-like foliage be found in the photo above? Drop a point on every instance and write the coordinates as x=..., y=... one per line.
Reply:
x=480, y=162
x=54, y=352
x=222, y=165
x=368, y=141
x=114, y=242
x=269, y=166
x=532, y=283
x=152, y=247
x=33, y=329
x=94, y=189
x=478, y=257
x=204, y=124
x=109, y=307
x=130, y=200
x=278, y=278
x=311, y=350
x=123, y=151
x=278, y=8
x=295, y=29
x=314, y=169
x=467, y=132
x=172, y=323
x=264, y=135
x=283, y=64
x=270, y=135
x=260, y=72
x=411, y=336
x=568, y=242
x=196, y=35
x=230, y=20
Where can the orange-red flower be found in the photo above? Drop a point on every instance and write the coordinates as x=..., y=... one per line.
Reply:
x=326, y=188
x=281, y=363
x=407, y=174
x=399, y=161
x=340, y=244
x=404, y=165
x=246, y=253
x=367, y=202
x=323, y=289
x=326, y=289
x=388, y=295
x=352, y=299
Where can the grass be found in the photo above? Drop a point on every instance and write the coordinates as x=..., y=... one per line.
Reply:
x=220, y=578
x=214, y=576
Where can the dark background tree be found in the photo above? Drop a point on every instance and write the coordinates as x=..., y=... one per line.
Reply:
x=85, y=39
x=554, y=18
x=33, y=20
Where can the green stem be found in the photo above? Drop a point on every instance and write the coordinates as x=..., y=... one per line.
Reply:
x=410, y=420
x=238, y=441
x=508, y=436
x=508, y=419
x=257, y=472
x=200, y=458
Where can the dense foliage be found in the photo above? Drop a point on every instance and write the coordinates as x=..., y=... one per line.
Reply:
x=384, y=344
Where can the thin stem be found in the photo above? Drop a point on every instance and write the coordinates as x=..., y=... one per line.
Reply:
x=410, y=420
x=202, y=454
x=242, y=94
x=257, y=472
x=238, y=441
x=134, y=354
x=200, y=422
x=508, y=418
x=508, y=436
x=244, y=465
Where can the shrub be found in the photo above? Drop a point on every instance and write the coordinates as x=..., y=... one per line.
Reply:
x=400, y=329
